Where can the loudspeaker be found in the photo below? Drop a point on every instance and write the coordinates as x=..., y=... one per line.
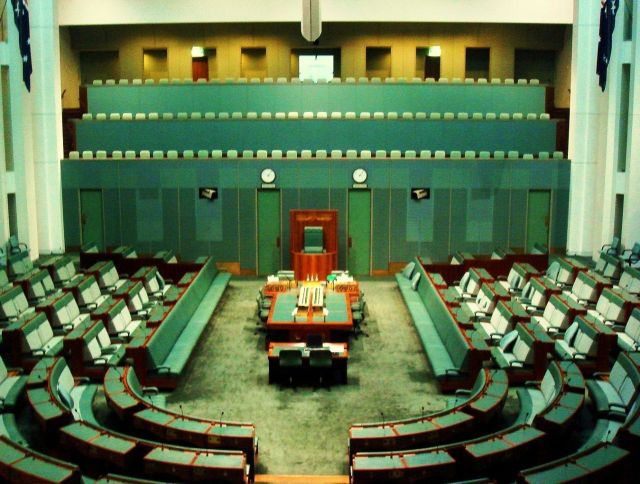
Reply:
x=420, y=193
x=311, y=26
x=208, y=193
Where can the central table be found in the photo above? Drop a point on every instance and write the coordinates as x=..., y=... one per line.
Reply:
x=288, y=322
x=339, y=354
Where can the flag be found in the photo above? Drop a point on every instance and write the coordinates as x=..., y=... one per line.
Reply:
x=21, y=17
x=607, y=24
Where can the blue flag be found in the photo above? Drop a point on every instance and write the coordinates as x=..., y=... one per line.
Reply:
x=21, y=17
x=607, y=24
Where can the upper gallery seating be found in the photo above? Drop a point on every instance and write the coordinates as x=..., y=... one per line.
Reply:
x=322, y=154
x=242, y=97
x=517, y=136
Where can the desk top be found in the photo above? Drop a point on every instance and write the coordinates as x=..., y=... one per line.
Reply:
x=338, y=350
x=285, y=310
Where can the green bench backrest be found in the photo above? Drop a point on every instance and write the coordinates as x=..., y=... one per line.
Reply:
x=163, y=339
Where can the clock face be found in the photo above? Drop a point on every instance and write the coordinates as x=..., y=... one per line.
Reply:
x=359, y=175
x=268, y=175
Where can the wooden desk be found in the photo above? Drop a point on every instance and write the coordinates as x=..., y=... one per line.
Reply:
x=319, y=265
x=287, y=322
x=339, y=353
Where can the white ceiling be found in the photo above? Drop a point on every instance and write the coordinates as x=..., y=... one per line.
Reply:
x=117, y=12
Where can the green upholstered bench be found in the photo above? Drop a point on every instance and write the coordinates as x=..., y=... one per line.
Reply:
x=615, y=394
x=112, y=478
x=90, y=441
x=21, y=464
x=454, y=358
x=555, y=404
x=60, y=399
x=402, y=467
x=161, y=355
x=603, y=461
x=189, y=465
x=12, y=385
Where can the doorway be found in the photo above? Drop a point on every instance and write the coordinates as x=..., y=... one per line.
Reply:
x=359, y=232
x=538, y=217
x=269, y=253
x=199, y=68
x=91, y=218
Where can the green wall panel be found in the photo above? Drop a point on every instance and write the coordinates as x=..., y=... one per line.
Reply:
x=439, y=249
x=246, y=219
x=170, y=219
x=290, y=201
x=454, y=218
x=112, y=216
x=149, y=215
x=380, y=229
x=339, y=202
x=518, y=218
x=71, y=216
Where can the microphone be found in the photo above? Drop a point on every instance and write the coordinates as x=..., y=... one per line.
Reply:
x=608, y=435
x=422, y=412
x=221, y=415
x=181, y=412
x=382, y=416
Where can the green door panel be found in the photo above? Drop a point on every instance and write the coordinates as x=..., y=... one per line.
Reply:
x=359, y=259
x=268, y=231
x=538, y=218
x=91, y=217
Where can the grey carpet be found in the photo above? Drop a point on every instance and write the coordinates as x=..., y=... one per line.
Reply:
x=305, y=430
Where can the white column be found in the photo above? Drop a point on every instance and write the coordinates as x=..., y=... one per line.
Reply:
x=21, y=142
x=47, y=124
x=631, y=214
x=584, y=127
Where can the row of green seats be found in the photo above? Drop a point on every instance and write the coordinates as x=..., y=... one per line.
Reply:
x=328, y=97
x=477, y=406
x=248, y=134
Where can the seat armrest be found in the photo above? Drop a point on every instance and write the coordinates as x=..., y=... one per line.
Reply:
x=581, y=355
x=532, y=384
x=124, y=334
x=67, y=327
x=453, y=371
x=100, y=361
x=148, y=390
x=480, y=314
x=598, y=374
x=82, y=380
x=615, y=406
x=516, y=362
x=38, y=352
x=162, y=369
x=462, y=391
x=496, y=336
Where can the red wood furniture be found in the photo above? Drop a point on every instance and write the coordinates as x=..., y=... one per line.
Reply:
x=319, y=265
